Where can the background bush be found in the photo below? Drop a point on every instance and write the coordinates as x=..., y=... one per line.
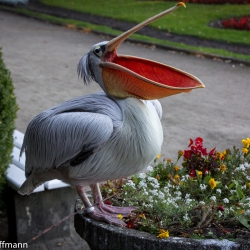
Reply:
x=8, y=110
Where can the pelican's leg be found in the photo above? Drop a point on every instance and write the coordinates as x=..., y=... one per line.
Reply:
x=94, y=212
x=108, y=209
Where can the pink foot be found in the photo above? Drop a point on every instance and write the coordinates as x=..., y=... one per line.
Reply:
x=97, y=214
x=114, y=211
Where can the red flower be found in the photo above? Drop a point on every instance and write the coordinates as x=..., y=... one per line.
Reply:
x=130, y=225
x=221, y=208
x=211, y=152
x=190, y=142
x=192, y=173
x=187, y=154
x=199, y=141
x=107, y=202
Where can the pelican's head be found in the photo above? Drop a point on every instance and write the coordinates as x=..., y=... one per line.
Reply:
x=125, y=76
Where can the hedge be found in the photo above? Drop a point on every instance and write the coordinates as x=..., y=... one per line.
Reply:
x=8, y=110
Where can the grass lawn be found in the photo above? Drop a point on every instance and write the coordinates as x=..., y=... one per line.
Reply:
x=193, y=20
x=190, y=21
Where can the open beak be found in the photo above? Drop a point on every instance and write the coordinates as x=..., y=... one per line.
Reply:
x=129, y=76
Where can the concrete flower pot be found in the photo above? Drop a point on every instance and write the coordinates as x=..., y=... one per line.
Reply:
x=102, y=236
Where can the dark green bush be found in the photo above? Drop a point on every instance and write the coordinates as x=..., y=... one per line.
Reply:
x=8, y=110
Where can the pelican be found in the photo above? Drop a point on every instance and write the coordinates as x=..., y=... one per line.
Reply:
x=106, y=135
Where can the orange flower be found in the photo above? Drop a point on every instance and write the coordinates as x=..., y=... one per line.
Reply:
x=176, y=177
x=223, y=168
x=180, y=153
x=157, y=177
x=176, y=168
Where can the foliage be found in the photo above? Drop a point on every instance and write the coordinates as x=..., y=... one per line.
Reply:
x=8, y=109
x=206, y=196
x=242, y=23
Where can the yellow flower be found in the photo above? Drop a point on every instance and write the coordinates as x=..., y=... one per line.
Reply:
x=180, y=153
x=223, y=168
x=176, y=177
x=169, y=176
x=168, y=160
x=158, y=156
x=241, y=211
x=199, y=173
x=163, y=234
x=142, y=216
x=248, y=184
x=119, y=216
x=157, y=177
x=246, y=142
x=245, y=150
x=212, y=183
x=176, y=168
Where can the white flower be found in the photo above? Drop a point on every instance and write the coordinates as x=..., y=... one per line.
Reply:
x=161, y=195
x=213, y=198
x=150, y=168
x=130, y=183
x=220, y=213
x=203, y=186
x=142, y=184
x=226, y=200
x=142, y=175
x=247, y=212
x=153, y=192
x=240, y=168
x=177, y=193
x=247, y=165
x=188, y=201
x=202, y=202
x=185, y=217
x=218, y=190
x=187, y=196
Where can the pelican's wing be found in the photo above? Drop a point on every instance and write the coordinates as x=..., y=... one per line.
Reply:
x=70, y=132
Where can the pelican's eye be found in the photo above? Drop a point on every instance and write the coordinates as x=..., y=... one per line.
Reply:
x=98, y=51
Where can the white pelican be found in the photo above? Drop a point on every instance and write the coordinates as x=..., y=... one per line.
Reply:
x=107, y=135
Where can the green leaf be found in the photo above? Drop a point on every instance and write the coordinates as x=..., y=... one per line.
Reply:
x=231, y=185
x=243, y=220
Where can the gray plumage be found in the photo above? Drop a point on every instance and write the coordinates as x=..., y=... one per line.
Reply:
x=122, y=143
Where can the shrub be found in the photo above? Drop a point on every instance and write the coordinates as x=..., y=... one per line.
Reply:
x=8, y=109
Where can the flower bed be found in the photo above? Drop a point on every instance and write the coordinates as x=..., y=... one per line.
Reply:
x=238, y=23
x=207, y=196
x=217, y=1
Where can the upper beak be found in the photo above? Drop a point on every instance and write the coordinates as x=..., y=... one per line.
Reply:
x=129, y=76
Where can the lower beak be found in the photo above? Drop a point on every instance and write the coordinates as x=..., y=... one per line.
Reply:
x=145, y=79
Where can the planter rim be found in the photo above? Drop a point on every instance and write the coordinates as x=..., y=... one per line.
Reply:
x=103, y=236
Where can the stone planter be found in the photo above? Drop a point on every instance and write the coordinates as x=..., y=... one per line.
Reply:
x=102, y=236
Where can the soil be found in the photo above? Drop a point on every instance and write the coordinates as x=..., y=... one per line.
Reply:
x=149, y=31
